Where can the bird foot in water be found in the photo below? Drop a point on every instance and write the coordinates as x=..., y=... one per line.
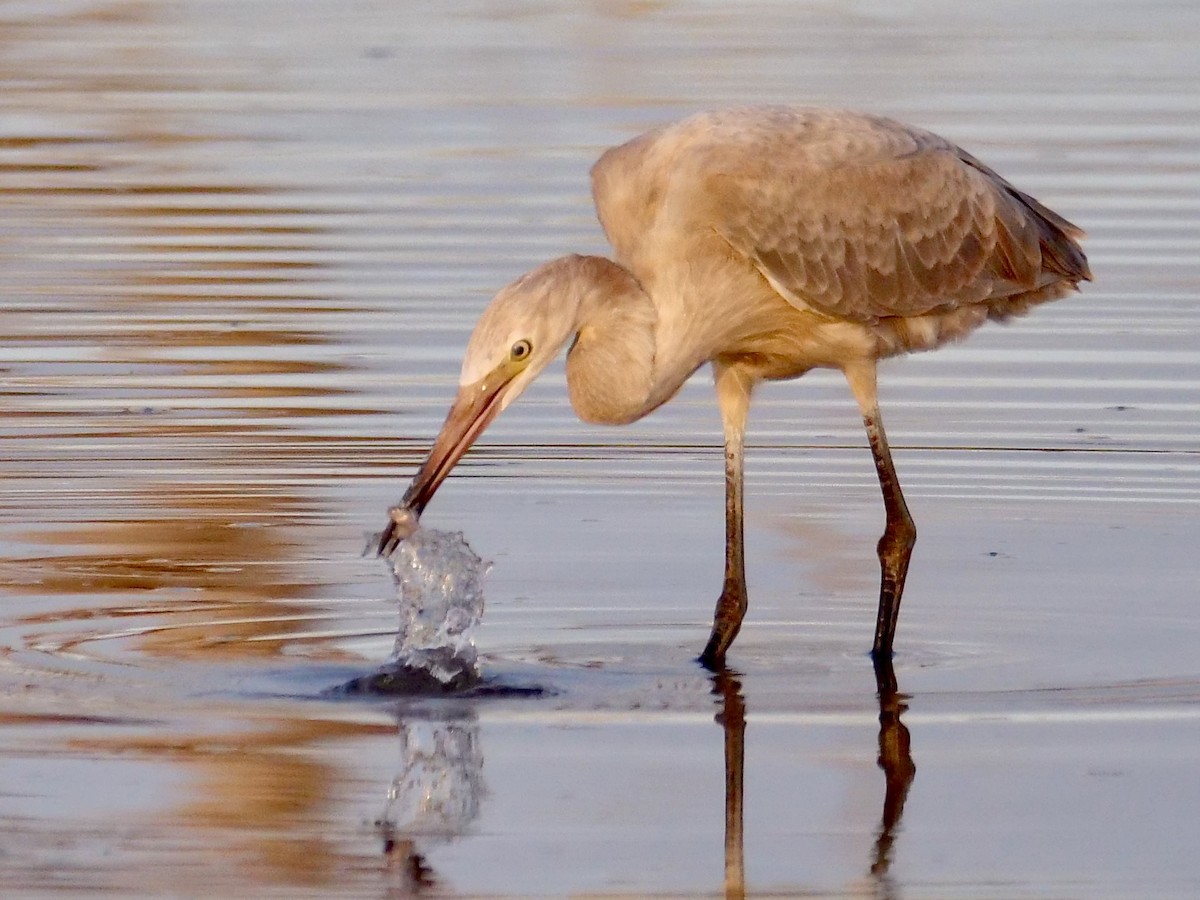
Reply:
x=712, y=658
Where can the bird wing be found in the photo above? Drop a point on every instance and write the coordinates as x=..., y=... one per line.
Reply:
x=853, y=216
x=897, y=236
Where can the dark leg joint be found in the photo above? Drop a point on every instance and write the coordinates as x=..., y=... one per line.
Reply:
x=897, y=541
x=727, y=622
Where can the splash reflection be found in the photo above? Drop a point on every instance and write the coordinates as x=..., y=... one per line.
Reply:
x=435, y=795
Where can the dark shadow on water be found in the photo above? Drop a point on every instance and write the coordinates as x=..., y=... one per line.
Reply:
x=393, y=681
x=895, y=759
x=407, y=869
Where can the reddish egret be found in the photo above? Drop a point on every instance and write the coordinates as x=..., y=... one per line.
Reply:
x=767, y=241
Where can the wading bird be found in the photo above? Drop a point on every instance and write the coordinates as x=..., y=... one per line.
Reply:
x=767, y=241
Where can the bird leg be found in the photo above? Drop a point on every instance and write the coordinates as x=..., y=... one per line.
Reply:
x=895, y=545
x=733, y=396
x=900, y=533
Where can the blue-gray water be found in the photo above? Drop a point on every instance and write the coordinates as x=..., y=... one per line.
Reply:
x=242, y=245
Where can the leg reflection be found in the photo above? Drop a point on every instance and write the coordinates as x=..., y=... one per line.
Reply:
x=895, y=758
x=732, y=718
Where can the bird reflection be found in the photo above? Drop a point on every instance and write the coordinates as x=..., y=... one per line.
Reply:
x=895, y=759
x=433, y=798
x=732, y=718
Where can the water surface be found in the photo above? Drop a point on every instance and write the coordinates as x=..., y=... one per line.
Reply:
x=243, y=245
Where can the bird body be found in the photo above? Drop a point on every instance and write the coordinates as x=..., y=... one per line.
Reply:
x=846, y=217
x=767, y=241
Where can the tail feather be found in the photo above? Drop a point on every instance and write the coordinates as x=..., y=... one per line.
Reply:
x=1061, y=253
x=1059, y=238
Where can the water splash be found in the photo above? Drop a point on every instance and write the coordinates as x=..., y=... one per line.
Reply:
x=439, y=588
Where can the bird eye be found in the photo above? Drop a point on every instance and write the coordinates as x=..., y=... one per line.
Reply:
x=520, y=351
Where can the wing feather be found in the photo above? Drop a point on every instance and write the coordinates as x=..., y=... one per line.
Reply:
x=898, y=236
x=854, y=216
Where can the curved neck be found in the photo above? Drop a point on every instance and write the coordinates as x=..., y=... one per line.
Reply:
x=611, y=364
x=620, y=367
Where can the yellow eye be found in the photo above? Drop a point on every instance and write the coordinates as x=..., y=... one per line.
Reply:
x=520, y=351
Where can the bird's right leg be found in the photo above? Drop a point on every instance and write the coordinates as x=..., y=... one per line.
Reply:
x=733, y=395
x=900, y=533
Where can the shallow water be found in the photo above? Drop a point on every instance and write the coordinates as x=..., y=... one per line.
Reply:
x=242, y=250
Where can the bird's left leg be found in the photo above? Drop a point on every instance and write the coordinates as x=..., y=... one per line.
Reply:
x=733, y=395
x=899, y=534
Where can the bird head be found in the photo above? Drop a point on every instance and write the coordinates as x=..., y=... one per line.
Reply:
x=519, y=334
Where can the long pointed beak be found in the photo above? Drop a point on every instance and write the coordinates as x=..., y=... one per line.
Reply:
x=472, y=411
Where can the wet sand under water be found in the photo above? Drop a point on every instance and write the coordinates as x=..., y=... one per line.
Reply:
x=242, y=255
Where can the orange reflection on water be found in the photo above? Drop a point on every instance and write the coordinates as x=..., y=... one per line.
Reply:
x=261, y=794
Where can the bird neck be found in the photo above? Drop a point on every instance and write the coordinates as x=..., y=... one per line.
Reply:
x=612, y=366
